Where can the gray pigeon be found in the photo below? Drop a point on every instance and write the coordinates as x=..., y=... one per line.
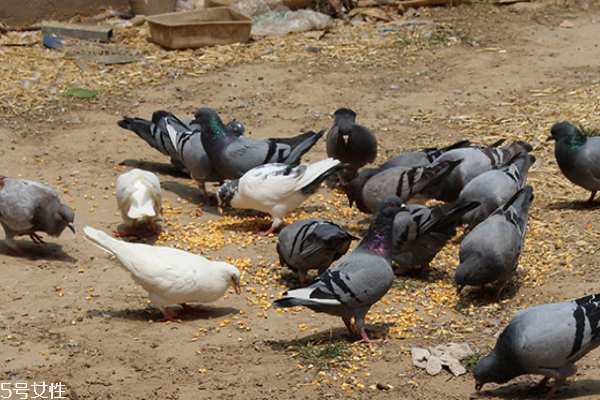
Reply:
x=232, y=156
x=577, y=156
x=475, y=162
x=494, y=188
x=350, y=142
x=544, y=340
x=191, y=153
x=312, y=244
x=156, y=135
x=358, y=280
x=490, y=252
x=27, y=207
x=421, y=158
x=276, y=188
x=372, y=185
x=420, y=232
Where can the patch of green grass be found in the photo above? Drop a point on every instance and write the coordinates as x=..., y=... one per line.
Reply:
x=469, y=362
x=322, y=356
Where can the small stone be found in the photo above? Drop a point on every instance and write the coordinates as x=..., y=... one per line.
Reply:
x=434, y=366
x=420, y=356
x=457, y=368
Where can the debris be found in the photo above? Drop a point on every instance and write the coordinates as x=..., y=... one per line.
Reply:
x=81, y=93
x=53, y=42
x=567, y=24
x=101, y=33
x=433, y=359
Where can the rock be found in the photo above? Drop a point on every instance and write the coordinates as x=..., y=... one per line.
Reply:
x=457, y=368
x=419, y=356
x=434, y=365
x=459, y=351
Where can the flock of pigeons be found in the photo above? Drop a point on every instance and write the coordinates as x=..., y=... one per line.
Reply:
x=482, y=188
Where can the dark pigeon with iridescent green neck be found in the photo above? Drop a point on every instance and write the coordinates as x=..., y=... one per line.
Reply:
x=233, y=156
x=358, y=280
x=577, y=156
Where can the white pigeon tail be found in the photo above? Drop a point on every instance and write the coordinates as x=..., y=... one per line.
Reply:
x=170, y=276
x=139, y=197
x=277, y=188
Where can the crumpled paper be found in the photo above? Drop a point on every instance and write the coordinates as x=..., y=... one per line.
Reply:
x=433, y=359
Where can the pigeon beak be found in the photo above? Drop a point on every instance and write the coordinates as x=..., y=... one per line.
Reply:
x=459, y=289
x=549, y=138
x=71, y=226
x=478, y=386
x=345, y=137
x=236, y=286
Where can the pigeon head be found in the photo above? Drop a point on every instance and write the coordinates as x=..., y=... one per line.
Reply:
x=236, y=128
x=496, y=367
x=227, y=192
x=354, y=188
x=463, y=275
x=234, y=276
x=345, y=113
x=210, y=122
x=57, y=219
x=563, y=131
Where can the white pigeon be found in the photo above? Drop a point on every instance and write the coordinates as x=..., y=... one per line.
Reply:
x=139, y=196
x=545, y=340
x=170, y=276
x=276, y=188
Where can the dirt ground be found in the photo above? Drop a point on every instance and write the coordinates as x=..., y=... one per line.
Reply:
x=70, y=313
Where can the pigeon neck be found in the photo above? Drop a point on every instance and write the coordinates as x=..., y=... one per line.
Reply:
x=574, y=141
x=378, y=239
x=216, y=127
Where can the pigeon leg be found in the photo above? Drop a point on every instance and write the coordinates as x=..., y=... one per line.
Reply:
x=557, y=385
x=190, y=309
x=170, y=317
x=540, y=386
x=274, y=225
x=365, y=338
x=126, y=232
x=17, y=251
x=153, y=228
x=349, y=325
x=590, y=201
x=36, y=238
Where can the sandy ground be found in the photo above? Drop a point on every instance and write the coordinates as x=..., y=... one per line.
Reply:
x=72, y=314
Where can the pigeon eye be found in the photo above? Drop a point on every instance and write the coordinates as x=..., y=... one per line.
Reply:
x=393, y=204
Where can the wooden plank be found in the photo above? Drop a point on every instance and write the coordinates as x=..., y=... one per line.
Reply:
x=101, y=33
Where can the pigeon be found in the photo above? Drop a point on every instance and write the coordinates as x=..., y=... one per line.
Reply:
x=232, y=156
x=420, y=232
x=372, y=185
x=155, y=133
x=421, y=158
x=190, y=153
x=27, y=207
x=475, y=162
x=312, y=244
x=544, y=340
x=350, y=142
x=358, y=280
x=494, y=188
x=577, y=157
x=170, y=276
x=490, y=252
x=276, y=188
x=139, y=197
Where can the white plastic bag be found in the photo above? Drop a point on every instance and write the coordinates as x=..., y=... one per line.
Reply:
x=290, y=21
